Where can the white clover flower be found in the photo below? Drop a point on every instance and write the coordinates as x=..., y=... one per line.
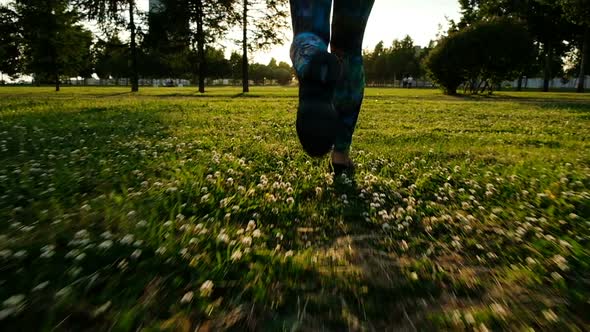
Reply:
x=141, y=223
x=127, y=239
x=80, y=257
x=404, y=245
x=531, y=261
x=414, y=276
x=237, y=255
x=222, y=237
x=289, y=253
x=550, y=315
x=187, y=298
x=14, y=301
x=41, y=286
x=469, y=318
x=247, y=241
x=290, y=200
x=81, y=234
x=257, y=233
x=161, y=250
x=136, y=254
x=251, y=225
x=205, y=198
x=63, y=292
x=5, y=253
x=556, y=276
x=106, y=235
x=20, y=254
x=206, y=288
x=131, y=214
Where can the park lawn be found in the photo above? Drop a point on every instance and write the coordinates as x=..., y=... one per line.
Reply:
x=169, y=210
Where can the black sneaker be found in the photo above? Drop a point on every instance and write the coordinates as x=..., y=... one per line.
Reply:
x=317, y=119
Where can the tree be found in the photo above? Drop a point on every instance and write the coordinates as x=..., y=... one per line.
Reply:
x=544, y=20
x=111, y=58
x=578, y=12
x=262, y=23
x=109, y=12
x=10, y=43
x=54, y=43
x=480, y=55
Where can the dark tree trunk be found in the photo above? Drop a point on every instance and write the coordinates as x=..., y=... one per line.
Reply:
x=583, y=64
x=134, y=75
x=519, y=86
x=547, y=71
x=57, y=87
x=245, y=79
x=201, y=46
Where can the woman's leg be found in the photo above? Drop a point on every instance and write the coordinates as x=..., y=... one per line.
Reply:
x=311, y=25
x=317, y=71
x=348, y=29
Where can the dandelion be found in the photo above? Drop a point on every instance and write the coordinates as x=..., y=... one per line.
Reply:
x=206, y=288
x=187, y=297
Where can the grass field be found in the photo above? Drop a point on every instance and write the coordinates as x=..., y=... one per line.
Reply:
x=166, y=210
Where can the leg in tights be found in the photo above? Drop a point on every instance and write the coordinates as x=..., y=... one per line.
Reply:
x=311, y=29
x=348, y=28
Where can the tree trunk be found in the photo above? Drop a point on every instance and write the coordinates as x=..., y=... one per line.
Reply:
x=134, y=75
x=57, y=82
x=519, y=86
x=201, y=46
x=547, y=71
x=583, y=64
x=245, y=79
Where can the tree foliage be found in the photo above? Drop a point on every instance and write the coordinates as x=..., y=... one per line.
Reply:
x=262, y=23
x=10, y=42
x=481, y=55
x=402, y=59
x=54, y=42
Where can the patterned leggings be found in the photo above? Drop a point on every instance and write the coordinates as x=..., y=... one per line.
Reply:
x=348, y=28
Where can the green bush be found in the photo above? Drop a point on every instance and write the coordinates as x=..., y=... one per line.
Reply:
x=480, y=56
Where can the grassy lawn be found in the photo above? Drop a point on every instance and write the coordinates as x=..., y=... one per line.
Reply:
x=167, y=210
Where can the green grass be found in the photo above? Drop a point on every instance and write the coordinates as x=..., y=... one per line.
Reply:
x=465, y=213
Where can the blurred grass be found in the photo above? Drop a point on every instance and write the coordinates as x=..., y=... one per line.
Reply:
x=466, y=212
